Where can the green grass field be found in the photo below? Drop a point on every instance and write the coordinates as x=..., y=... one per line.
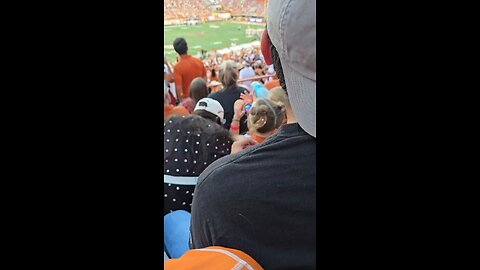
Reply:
x=207, y=36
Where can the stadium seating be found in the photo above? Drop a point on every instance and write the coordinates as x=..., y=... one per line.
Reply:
x=184, y=9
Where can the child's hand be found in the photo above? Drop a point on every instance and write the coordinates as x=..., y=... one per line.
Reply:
x=237, y=109
x=247, y=97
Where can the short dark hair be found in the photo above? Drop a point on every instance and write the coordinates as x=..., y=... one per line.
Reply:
x=198, y=89
x=277, y=65
x=207, y=115
x=180, y=46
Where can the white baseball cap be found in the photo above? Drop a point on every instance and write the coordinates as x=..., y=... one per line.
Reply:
x=291, y=26
x=212, y=106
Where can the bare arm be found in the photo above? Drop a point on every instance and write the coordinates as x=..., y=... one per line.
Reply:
x=169, y=70
x=178, y=89
x=178, y=85
x=238, y=114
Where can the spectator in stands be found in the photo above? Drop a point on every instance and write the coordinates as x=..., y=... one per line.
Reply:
x=186, y=69
x=191, y=143
x=262, y=200
x=228, y=75
x=258, y=68
x=279, y=96
x=168, y=108
x=198, y=90
x=245, y=73
x=275, y=82
x=264, y=117
x=214, y=72
x=167, y=71
x=272, y=81
x=252, y=56
x=168, y=79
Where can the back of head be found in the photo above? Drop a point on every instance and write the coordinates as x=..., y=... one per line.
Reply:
x=291, y=33
x=207, y=115
x=278, y=95
x=180, y=46
x=202, y=121
x=265, y=116
x=210, y=109
x=228, y=74
x=198, y=89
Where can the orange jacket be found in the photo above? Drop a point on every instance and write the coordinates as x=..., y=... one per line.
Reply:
x=213, y=258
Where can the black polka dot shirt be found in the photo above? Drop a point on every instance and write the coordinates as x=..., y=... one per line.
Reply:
x=188, y=150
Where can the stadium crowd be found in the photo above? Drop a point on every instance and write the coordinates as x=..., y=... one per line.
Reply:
x=177, y=9
x=240, y=149
x=184, y=9
x=250, y=62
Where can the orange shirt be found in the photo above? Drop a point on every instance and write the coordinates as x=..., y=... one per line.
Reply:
x=257, y=138
x=271, y=84
x=173, y=110
x=186, y=70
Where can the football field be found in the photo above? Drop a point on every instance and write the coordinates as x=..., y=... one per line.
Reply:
x=207, y=36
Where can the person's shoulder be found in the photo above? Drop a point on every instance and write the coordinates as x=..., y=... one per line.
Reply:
x=233, y=173
x=222, y=171
x=178, y=66
x=174, y=119
x=288, y=138
x=233, y=166
x=180, y=110
x=239, y=89
x=214, y=95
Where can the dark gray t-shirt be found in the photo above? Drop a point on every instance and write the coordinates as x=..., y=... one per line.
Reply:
x=262, y=201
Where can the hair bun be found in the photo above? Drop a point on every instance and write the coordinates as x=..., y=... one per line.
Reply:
x=266, y=115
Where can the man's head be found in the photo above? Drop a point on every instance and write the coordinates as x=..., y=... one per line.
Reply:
x=210, y=109
x=180, y=46
x=291, y=32
x=198, y=89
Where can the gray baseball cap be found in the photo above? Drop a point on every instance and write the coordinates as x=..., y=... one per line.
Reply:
x=292, y=27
